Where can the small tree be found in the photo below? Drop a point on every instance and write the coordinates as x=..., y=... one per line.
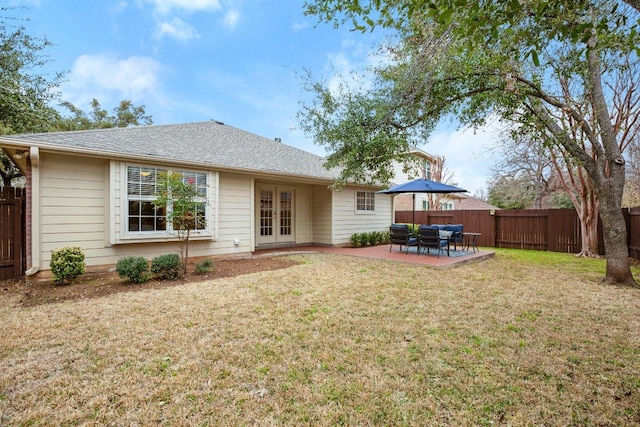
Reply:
x=184, y=205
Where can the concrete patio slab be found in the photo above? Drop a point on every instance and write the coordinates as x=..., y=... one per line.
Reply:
x=382, y=252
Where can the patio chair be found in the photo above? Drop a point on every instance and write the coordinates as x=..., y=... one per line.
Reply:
x=456, y=234
x=401, y=236
x=455, y=231
x=429, y=237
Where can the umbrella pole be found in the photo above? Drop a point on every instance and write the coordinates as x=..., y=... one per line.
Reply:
x=413, y=220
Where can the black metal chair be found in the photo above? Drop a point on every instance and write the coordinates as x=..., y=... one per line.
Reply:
x=401, y=236
x=456, y=234
x=429, y=237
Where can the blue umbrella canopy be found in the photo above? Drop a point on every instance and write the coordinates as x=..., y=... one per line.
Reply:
x=422, y=185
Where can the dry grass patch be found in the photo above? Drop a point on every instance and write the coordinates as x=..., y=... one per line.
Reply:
x=334, y=340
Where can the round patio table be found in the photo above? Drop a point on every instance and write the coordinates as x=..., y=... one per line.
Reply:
x=470, y=240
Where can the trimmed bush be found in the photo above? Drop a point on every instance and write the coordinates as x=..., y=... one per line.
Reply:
x=136, y=269
x=205, y=266
x=167, y=267
x=66, y=263
x=374, y=238
x=355, y=240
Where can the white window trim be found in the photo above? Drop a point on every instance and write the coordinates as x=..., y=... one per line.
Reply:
x=355, y=201
x=119, y=226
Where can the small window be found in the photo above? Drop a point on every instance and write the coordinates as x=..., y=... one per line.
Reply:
x=427, y=169
x=365, y=201
x=447, y=206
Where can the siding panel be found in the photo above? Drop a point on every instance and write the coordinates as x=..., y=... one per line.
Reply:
x=72, y=197
x=348, y=222
x=322, y=215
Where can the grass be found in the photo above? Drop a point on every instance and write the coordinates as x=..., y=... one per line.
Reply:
x=515, y=340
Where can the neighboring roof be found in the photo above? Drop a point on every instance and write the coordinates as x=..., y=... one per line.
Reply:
x=420, y=153
x=209, y=144
x=473, y=203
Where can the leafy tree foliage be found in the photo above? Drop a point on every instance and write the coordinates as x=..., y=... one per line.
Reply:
x=183, y=202
x=478, y=59
x=124, y=115
x=511, y=192
x=560, y=200
x=524, y=160
x=27, y=97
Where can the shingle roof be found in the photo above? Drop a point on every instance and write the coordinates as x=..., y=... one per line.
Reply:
x=473, y=203
x=207, y=144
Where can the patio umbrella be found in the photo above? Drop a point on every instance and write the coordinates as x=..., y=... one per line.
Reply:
x=422, y=185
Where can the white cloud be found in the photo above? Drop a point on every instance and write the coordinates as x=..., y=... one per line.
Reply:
x=231, y=19
x=350, y=68
x=177, y=29
x=297, y=26
x=166, y=6
x=119, y=7
x=105, y=77
x=468, y=153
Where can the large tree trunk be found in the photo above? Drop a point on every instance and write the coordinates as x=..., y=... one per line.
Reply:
x=615, y=241
x=608, y=174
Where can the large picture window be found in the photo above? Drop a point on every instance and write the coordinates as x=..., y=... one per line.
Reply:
x=365, y=201
x=142, y=184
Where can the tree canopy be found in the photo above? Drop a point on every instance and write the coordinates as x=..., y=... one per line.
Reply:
x=29, y=97
x=26, y=96
x=124, y=115
x=541, y=65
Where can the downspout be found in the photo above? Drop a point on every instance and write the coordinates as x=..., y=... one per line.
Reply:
x=34, y=155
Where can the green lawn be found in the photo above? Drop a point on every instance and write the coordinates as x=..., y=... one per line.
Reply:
x=525, y=338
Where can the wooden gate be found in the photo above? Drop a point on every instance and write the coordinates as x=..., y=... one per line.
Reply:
x=11, y=233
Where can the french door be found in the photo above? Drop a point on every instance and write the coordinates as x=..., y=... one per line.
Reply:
x=274, y=214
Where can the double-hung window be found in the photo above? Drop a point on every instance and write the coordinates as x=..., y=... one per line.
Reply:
x=143, y=216
x=199, y=181
x=142, y=185
x=365, y=201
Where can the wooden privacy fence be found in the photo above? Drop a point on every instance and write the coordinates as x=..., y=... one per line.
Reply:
x=555, y=230
x=11, y=233
x=633, y=228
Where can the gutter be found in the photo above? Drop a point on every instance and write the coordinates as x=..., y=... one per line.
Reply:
x=34, y=155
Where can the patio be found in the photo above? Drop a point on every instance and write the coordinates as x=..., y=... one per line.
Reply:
x=382, y=252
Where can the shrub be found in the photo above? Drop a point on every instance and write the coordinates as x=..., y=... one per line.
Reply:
x=66, y=263
x=386, y=238
x=136, y=269
x=205, y=266
x=167, y=267
x=374, y=238
x=355, y=240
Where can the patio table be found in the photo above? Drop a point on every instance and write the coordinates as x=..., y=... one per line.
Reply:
x=470, y=240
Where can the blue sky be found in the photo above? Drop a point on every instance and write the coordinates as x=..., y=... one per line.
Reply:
x=235, y=61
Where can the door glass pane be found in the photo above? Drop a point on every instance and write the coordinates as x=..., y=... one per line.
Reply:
x=285, y=213
x=266, y=213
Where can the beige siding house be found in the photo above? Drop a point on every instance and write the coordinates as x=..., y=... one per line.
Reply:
x=95, y=189
x=422, y=168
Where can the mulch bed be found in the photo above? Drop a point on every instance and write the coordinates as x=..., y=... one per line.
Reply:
x=96, y=285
